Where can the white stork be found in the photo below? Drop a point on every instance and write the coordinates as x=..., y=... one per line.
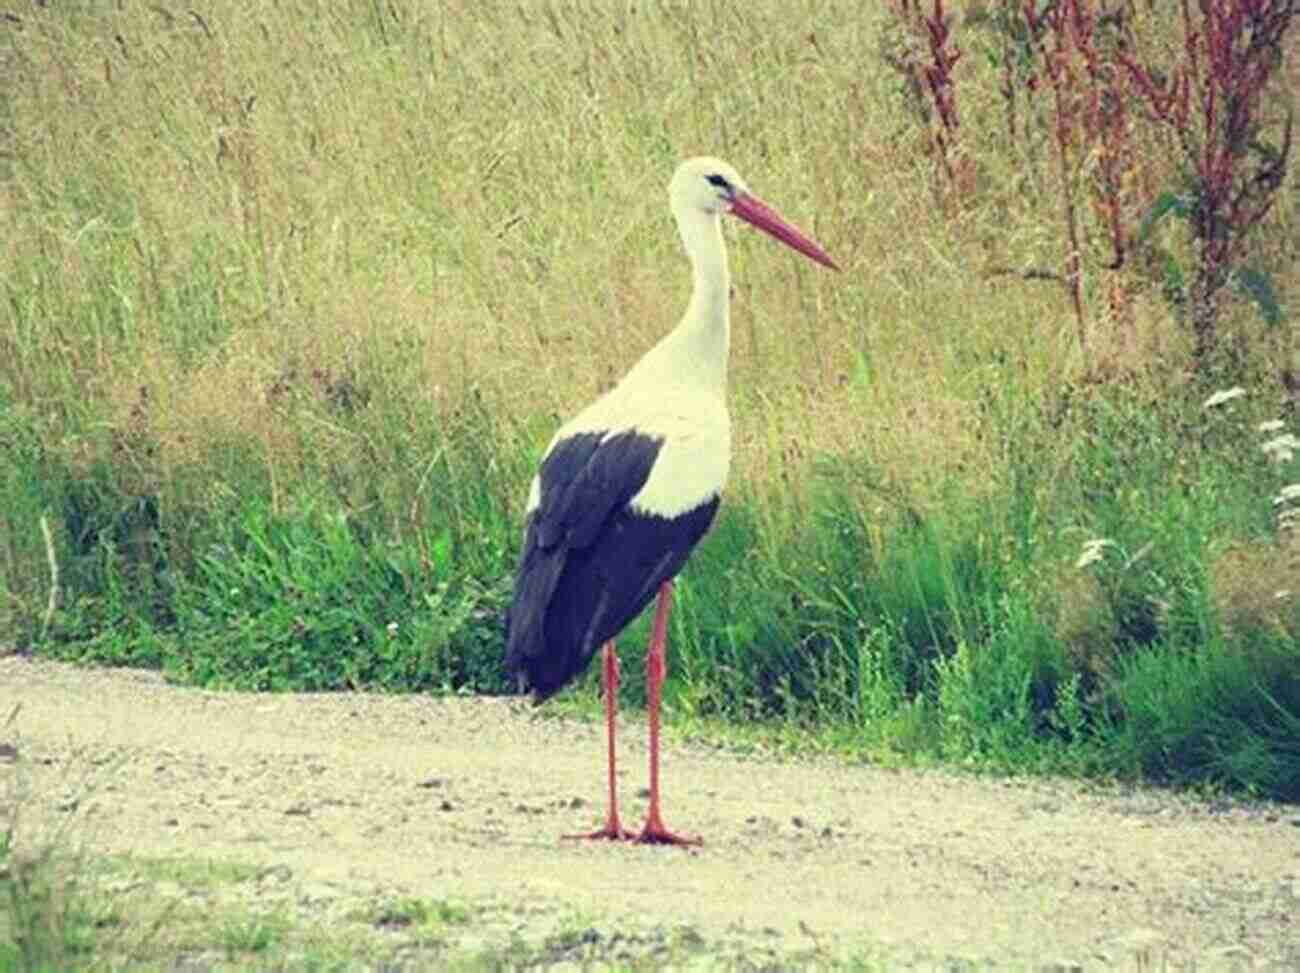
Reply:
x=628, y=486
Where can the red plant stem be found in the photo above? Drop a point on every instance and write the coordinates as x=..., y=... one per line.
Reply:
x=1229, y=54
x=937, y=74
x=1057, y=67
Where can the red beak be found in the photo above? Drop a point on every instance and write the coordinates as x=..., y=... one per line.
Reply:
x=757, y=213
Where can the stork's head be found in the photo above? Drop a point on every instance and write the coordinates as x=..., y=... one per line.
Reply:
x=707, y=184
x=712, y=186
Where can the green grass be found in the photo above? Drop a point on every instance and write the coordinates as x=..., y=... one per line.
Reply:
x=56, y=912
x=427, y=921
x=45, y=926
x=279, y=355
x=151, y=913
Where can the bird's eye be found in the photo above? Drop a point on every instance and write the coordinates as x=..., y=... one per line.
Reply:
x=719, y=181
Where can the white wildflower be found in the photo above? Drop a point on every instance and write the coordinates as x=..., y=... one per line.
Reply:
x=1284, y=453
x=1283, y=595
x=1092, y=551
x=1288, y=493
x=1224, y=395
x=1281, y=449
x=1273, y=425
x=392, y=628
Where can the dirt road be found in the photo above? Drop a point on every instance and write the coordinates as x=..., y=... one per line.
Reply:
x=345, y=798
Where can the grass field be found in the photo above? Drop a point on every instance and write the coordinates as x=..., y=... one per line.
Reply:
x=295, y=294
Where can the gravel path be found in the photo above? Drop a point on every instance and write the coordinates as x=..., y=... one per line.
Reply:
x=352, y=796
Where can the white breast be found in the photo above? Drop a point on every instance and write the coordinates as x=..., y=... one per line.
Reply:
x=691, y=469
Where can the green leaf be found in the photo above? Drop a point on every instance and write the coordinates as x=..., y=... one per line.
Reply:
x=440, y=554
x=1166, y=203
x=1174, y=284
x=1258, y=286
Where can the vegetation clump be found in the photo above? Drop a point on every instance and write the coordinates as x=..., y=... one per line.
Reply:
x=278, y=355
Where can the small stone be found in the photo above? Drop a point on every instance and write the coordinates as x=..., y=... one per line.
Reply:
x=430, y=782
x=299, y=810
x=797, y=821
x=170, y=823
x=445, y=806
x=317, y=892
x=276, y=873
x=8, y=752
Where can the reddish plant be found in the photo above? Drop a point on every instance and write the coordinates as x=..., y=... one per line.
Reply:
x=934, y=77
x=1212, y=100
x=1085, y=55
x=1089, y=122
x=1106, y=126
x=1019, y=46
x=1059, y=49
x=1057, y=24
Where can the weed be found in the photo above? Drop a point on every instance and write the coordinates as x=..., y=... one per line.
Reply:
x=45, y=917
x=931, y=81
x=1213, y=99
x=1124, y=105
x=427, y=918
x=252, y=933
x=54, y=910
x=47, y=921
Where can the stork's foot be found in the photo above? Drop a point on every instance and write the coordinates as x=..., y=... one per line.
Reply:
x=654, y=833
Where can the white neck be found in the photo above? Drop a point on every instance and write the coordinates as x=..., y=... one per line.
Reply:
x=701, y=341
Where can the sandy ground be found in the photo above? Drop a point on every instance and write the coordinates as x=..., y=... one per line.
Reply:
x=355, y=796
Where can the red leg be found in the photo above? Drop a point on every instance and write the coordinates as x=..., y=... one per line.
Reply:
x=654, y=832
x=613, y=830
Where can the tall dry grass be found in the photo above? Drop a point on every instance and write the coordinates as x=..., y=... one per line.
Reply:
x=217, y=207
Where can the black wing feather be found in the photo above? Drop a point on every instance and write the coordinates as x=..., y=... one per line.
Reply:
x=590, y=565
